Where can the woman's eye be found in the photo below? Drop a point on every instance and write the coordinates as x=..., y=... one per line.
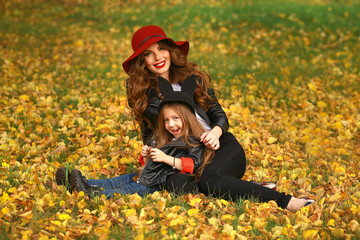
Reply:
x=147, y=53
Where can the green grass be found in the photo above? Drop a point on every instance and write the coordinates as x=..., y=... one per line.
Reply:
x=291, y=19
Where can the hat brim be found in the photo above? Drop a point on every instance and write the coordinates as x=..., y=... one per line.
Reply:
x=182, y=45
x=179, y=97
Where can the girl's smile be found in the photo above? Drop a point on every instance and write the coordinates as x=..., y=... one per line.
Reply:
x=175, y=132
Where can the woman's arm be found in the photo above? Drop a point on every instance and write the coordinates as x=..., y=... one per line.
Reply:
x=211, y=138
x=219, y=123
x=216, y=113
x=151, y=113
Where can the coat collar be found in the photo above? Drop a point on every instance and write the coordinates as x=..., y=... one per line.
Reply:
x=180, y=142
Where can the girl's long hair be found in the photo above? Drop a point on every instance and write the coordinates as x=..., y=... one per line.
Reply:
x=191, y=127
x=141, y=80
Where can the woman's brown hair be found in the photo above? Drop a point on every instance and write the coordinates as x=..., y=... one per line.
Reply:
x=141, y=80
x=191, y=128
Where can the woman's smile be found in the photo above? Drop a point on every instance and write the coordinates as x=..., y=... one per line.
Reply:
x=160, y=65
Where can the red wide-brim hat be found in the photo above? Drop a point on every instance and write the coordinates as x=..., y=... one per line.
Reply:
x=147, y=36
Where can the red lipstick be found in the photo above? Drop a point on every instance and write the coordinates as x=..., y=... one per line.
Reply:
x=160, y=64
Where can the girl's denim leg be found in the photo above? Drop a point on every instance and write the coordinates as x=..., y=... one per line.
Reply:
x=123, y=184
x=113, y=183
x=131, y=188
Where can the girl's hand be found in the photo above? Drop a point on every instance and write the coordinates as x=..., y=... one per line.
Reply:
x=211, y=138
x=159, y=156
x=145, y=152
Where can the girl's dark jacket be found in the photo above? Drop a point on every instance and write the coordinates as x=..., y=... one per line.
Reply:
x=215, y=115
x=155, y=173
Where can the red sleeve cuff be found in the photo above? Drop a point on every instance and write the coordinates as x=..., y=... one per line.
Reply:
x=141, y=160
x=187, y=165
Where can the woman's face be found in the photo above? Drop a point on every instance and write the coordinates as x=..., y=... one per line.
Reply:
x=157, y=60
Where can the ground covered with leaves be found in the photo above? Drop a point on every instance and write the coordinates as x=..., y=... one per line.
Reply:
x=288, y=77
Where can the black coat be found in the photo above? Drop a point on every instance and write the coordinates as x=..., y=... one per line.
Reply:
x=155, y=173
x=215, y=115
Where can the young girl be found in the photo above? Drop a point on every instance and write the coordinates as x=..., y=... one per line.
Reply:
x=178, y=149
x=157, y=56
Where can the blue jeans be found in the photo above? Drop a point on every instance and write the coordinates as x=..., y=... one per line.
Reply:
x=123, y=184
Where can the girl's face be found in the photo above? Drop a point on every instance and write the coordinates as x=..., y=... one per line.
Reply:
x=173, y=122
x=157, y=60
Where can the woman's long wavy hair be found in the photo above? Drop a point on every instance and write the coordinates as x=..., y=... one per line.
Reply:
x=191, y=127
x=141, y=80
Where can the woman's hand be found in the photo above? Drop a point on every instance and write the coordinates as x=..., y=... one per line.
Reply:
x=145, y=152
x=159, y=156
x=211, y=138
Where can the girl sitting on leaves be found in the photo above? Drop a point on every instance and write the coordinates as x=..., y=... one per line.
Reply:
x=175, y=148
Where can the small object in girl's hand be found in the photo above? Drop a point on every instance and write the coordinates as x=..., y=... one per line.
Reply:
x=153, y=143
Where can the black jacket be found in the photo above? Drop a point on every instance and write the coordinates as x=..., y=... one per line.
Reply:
x=215, y=115
x=155, y=173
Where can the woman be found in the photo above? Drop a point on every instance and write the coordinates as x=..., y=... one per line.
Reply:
x=157, y=56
